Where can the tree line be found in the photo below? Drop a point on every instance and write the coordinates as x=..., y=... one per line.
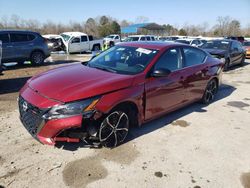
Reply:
x=104, y=25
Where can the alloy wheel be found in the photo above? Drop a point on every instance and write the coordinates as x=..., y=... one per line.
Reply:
x=114, y=129
x=210, y=91
x=37, y=58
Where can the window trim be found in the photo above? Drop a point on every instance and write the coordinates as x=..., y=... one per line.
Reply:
x=184, y=58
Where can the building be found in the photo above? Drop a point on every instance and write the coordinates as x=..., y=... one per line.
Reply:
x=143, y=28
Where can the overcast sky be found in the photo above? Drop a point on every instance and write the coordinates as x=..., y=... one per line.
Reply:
x=175, y=12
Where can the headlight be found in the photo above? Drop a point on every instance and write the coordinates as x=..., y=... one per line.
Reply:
x=71, y=109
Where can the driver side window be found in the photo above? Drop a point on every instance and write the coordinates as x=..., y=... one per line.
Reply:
x=76, y=40
x=171, y=60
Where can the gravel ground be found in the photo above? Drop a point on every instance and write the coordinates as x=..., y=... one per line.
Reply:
x=198, y=146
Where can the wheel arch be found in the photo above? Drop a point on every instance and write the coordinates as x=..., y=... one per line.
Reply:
x=36, y=50
x=132, y=110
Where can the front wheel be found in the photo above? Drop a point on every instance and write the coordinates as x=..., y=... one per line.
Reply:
x=96, y=48
x=210, y=92
x=114, y=128
x=37, y=58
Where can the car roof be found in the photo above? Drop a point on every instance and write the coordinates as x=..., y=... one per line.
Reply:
x=156, y=45
x=74, y=34
x=17, y=31
x=225, y=40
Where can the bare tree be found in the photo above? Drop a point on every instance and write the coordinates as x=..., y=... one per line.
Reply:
x=141, y=19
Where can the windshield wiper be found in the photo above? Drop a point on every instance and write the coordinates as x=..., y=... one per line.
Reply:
x=105, y=69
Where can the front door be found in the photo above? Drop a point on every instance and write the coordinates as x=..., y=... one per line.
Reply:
x=84, y=43
x=6, y=47
x=165, y=93
x=75, y=45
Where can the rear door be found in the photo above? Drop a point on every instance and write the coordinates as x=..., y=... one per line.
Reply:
x=235, y=53
x=20, y=45
x=195, y=72
x=165, y=93
x=6, y=47
x=85, y=44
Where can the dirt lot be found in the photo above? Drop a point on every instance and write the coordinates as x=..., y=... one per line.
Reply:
x=198, y=146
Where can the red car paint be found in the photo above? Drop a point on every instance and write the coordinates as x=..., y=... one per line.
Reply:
x=152, y=96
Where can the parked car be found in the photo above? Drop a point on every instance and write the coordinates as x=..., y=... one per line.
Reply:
x=192, y=42
x=54, y=42
x=80, y=42
x=126, y=85
x=230, y=52
x=246, y=45
x=111, y=40
x=19, y=46
x=133, y=38
x=1, y=68
x=240, y=39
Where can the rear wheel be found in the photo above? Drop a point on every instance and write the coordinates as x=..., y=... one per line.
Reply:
x=210, y=92
x=37, y=58
x=96, y=48
x=114, y=128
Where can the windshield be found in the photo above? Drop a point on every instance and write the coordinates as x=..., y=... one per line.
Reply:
x=217, y=44
x=123, y=60
x=65, y=37
x=246, y=43
x=183, y=41
x=128, y=39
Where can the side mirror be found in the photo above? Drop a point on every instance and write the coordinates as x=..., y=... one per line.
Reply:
x=161, y=72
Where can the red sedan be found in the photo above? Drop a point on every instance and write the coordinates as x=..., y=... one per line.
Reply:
x=126, y=85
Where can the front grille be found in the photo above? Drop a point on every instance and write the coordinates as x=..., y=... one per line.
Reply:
x=30, y=116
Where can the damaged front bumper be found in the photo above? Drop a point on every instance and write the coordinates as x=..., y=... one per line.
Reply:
x=72, y=129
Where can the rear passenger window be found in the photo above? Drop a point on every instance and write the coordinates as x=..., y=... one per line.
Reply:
x=16, y=37
x=90, y=38
x=31, y=37
x=193, y=56
x=148, y=38
x=170, y=60
x=84, y=38
x=143, y=38
x=4, y=38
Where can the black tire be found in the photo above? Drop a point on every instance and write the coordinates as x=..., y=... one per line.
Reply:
x=114, y=128
x=111, y=44
x=37, y=58
x=226, y=65
x=210, y=91
x=96, y=48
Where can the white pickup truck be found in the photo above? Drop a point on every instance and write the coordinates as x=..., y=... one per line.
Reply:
x=80, y=42
x=111, y=40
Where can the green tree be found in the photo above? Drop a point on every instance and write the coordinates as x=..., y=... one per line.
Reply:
x=115, y=27
x=182, y=32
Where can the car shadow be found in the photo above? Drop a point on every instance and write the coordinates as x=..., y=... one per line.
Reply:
x=12, y=85
x=135, y=132
x=235, y=67
x=13, y=66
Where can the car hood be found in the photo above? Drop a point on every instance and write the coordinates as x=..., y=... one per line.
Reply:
x=215, y=51
x=75, y=82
